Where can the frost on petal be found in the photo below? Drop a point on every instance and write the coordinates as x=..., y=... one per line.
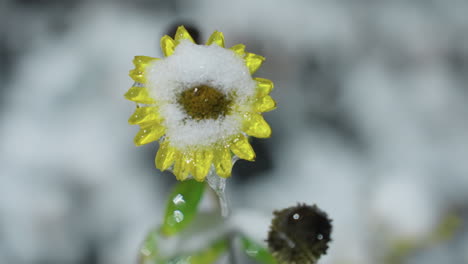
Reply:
x=145, y=114
x=167, y=45
x=203, y=160
x=253, y=62
x=166, y=156
x=184, y=165
x=182, y=34
x=242, y=148
x=264, y=86
x=139, y=94
x=264, y=104
x=223, y=162
x=256, y=126
x=137, y=75
x=239, y=49
x=216, y=38
x=149, y=134
x=141, y=63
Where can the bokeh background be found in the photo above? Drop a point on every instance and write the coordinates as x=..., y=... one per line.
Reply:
x=371, y=125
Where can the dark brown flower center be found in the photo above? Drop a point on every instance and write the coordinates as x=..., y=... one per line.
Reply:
x=204, y=102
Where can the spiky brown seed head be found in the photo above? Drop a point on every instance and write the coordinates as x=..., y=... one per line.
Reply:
x=299, y=234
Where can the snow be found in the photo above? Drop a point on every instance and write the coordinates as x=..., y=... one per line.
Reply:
x=370, y=125
x=193, y=65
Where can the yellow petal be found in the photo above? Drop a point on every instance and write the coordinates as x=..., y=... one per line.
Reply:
x=253, y=62
x=149, y=134
x=264, y=104
x=182, y=34
x=254, y=125
x=216, y=38
x=223, y=161
x=239, y=49
x=166, y=156
x=264, y=86
x=141, y=62
x=144, y=115
x=184, y=165
x=139, y=95
x=167, y=45
x=137, y=75
x=242, y=148
x=202, y=165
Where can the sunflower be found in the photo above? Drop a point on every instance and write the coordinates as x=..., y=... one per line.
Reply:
x=201, y=103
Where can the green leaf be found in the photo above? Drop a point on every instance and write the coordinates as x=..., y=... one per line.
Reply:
x=149, y=250
x=257, y=252
x=205, y=256
x=182, y=206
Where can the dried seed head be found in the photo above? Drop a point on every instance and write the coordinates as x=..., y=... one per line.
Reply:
x=299, y=234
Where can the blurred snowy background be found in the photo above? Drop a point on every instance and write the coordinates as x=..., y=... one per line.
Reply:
x=372, y=125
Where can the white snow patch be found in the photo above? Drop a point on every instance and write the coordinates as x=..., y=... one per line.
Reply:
x=184, y=131
x=403, y=204
x=193, y=65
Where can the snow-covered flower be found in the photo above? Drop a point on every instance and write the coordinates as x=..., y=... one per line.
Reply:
x=201, y=103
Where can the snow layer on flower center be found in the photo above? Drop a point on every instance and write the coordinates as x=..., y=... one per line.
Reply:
x=185, y=132
x=193, y=65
